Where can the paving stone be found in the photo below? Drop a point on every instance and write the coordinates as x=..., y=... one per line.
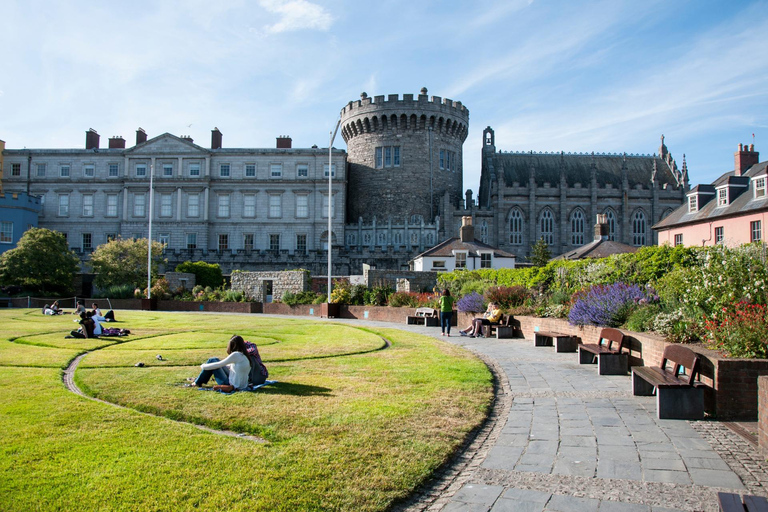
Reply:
x=617, y=506
x=505, y=505
x=619, y=469
x=481, y=494
x=616, y=453
x=670, y=464
x=503, y=457
x=715, y=478
x=667, y=476
x=706, y=463
x=559, y=503
x=578, y=441
x=545, y=447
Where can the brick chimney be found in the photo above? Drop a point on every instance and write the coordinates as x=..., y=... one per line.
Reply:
x=745, y=158
x=187, y=138
x=284, y=142
x=467, y=230
x=116, y=143
x=91, y=139
x=602, y=231
x=141, y=136
x=215, y=139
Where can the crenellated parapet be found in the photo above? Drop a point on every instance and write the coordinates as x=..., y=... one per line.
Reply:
x=406, y=113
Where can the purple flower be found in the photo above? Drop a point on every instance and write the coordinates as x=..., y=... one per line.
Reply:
x=472, y=303
x=606, y=305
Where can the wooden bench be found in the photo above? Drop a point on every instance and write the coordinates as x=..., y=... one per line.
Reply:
x=678, y=394
x=504, y=329
x=424, y=316
x=563, y=342
x=734, y=503
x=608, y=353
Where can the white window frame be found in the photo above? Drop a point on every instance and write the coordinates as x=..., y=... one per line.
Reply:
x=225, y=170
x=299, y=238
x=547, y=226
x=486, y=260
x=63, y=205
x=276, y=170
x=166, y=205
x=759, y=188
x=577, y=228
x=112, y=203
x=272, y=238
x=164, y=238
x=302, y=206
x=248, y=241
x=756, y=231
x=41, y=168
x=250, y=170
x=516, y=227
x=324, y=212
x=325, y=170
x=64, y=170
x=113, y=167
x=639, y=228
x=719, y=235
x=722, y=197
x=191, y=240
x=6, y=232
x=15, y=169
x=460, y=259
x=89, y=171
x=87, y=205
x=141, y=170
x=168, y=170
x=249, y=206
x=83, y=245
x=302, y=170
x=275, y=206
x=193, y=205
x=194, y=169
x=224, y=203
x=223, y=242
x=693, y=203
x=678, y=239
x=139, y=205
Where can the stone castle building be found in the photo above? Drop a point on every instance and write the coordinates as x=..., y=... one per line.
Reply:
x=396, y=192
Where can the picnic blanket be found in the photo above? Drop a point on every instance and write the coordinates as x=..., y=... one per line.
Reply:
x=249, y=388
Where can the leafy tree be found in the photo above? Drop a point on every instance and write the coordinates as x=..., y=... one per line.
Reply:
x=206, y=274
x=540, y=254
x=41, y=261
x=124, y=261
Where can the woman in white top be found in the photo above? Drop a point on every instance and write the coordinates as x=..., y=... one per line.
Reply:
x=232, y=371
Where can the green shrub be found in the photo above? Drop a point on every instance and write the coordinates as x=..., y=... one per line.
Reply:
x=404, y=300
x=741, y=330
x=357, y=294
x=341, y=292
x=378, y=296
x=507, y=296
x=120, y=291
x=321, y=298
x=642, y=318
x=206, y=274
x=294, y=299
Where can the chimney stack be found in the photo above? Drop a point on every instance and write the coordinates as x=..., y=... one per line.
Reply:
x=284, y=142
x=602, y=230
x=91, y=139
x=141, y=136
x=745, y=158
x=467, y=230
x=215, y=138
x=187, y=138
x=116, y=143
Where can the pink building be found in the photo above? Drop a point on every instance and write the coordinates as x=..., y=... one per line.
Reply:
x=732, y=211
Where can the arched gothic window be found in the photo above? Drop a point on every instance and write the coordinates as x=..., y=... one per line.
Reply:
x=547, y=226
x=484, y=232
x=414, y=238
x=382, y=238
x=611, y=217
x=516, y=227
x=367, y=239
x=398, y=238
x=430, y=238
x=352, y=239
x=577, y=227
x=638, y=228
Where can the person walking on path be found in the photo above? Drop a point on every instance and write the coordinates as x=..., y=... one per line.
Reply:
x=446, y=312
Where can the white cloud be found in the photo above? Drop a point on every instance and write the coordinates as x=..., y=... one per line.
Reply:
x=297, y=15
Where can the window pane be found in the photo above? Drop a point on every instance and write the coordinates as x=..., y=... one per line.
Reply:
x=191, y=240
x=275, y=170
x=302, y=171
x=275, y=206
x=40, y=170
x=6, y=232
x=113, y=170
x=224, y=170
x=301, y=243
x=166, y=202
x=378, y=158
x=249, y=205
x=112, y=205
x=167, y=169
x=250, y=170
x=396, y=156
x=193, y=205
x=224, y=205
x=302, y=206
x=139, y=202
x=64, y=171
x=141, y=170
x=194, y=169
x=64, y=205
x=88, y=205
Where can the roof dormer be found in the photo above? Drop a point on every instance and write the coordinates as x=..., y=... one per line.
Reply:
x=731, y=188
x=758, y=186
x=699, y=196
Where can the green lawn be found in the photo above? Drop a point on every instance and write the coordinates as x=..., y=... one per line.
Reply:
x=351, y=425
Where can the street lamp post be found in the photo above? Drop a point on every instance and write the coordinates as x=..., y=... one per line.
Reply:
x=330, y=202
x=149, y=237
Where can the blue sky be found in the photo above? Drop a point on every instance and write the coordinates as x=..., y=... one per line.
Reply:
x=603, y=76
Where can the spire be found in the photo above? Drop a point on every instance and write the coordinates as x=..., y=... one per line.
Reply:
x=684, y=173
x=653, y=173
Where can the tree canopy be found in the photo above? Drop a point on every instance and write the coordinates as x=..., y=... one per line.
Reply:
x=41, y=261
x=540, y=253
x=124, y=261
x=206, y=274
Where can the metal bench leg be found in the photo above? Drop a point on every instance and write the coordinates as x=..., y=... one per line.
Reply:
x=680, y=403
x=586, y=357
x=641, y=387
x=612, y=364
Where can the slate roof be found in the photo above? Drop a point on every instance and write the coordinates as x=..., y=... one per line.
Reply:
x=446, y=248
x=597, y=249
x=578, y=168
x=739, y=204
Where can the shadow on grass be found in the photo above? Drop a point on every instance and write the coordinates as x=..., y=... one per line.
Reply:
x=289, y=388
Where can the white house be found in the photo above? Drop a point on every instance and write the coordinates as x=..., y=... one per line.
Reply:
x=463, y=252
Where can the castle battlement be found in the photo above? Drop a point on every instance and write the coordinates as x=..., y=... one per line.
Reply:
x=367, y=104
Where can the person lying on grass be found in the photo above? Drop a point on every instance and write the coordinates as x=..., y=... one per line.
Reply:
x=231, y=373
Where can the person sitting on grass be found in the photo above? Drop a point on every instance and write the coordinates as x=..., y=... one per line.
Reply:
x=79, y=309
x=230, y=373
x=86, y=328
x=492, y=315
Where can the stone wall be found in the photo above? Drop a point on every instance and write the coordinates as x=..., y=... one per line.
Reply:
x=253, y=283
x=417, y=281
x=762, y=420
x=183, y=280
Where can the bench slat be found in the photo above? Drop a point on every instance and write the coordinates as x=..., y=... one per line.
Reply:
x=755, y=503
x=659, y=377
x=729, y=502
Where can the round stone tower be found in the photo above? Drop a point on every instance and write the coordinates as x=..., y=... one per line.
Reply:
x=391, y=171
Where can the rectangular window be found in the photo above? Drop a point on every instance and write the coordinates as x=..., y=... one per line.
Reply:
x=250, y=170
x=249, y=205
x=15, y=169
x=40, y=170
x=223, y=205
x=274, y=242
x=438, y=265
x=275, y=206
x=302, y=207
x=396, y=156
x=224, y=170
x=166, y=205
x=325, y=170
x=191, y=240
x=760, y=187
x=109, y=237
x=223, y=242
x=114, y=170
x=719, y=235
x=193, y=205
x=6, y=232
x=194, y=169
x=139, y=203
x=88, y=205
x=442, y=159
x=387, y=156
x=325, y=207
x=63, y=205
x=164, y=238
x=89, y=171
x=379, y=163
x=111, y=205
x=141, y=170
x=447, y=160
x=693, y=204
x=722, y=197
x=167, y=170
x=301, y=244
x=276, y=170
x=248, y=241
x=755, y=231
x=461, y=260
x=64, y=171
x=302, y=170
x=485, y=260
x=678, y=239
x=87, y=242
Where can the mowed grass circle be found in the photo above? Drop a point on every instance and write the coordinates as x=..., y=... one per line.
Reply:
x=350, y=425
